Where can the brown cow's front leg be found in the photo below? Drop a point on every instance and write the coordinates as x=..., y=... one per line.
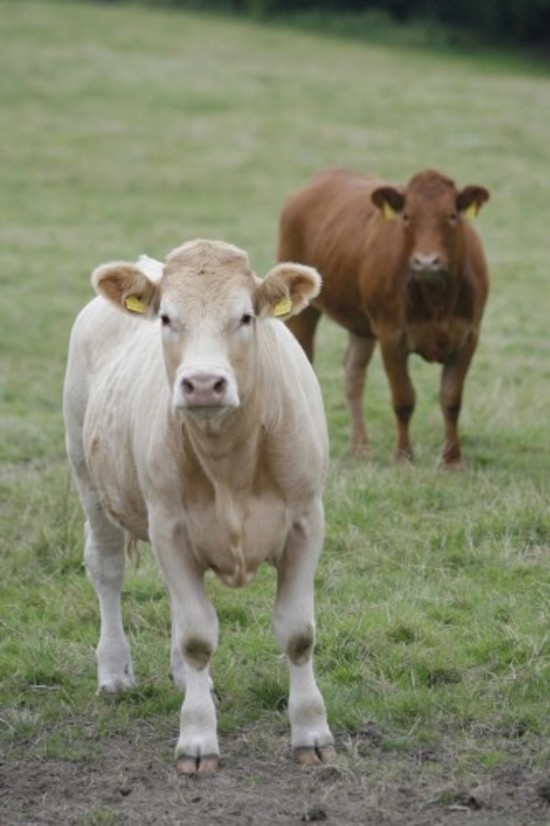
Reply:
x=303, y=327
x=356, y=361
x=394, y=355
x=452, y=384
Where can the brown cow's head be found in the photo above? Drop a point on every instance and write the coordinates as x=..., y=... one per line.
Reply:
x=209, y=304
x=432, y=212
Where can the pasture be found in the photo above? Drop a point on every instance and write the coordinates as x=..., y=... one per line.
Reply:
x=128, y=130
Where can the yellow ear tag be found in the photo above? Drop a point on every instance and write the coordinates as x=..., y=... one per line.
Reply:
x=134, y=304
x=283, y=307
x=471, y=211
x=388, y=211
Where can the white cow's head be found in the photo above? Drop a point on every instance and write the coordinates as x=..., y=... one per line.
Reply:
x=209, y=303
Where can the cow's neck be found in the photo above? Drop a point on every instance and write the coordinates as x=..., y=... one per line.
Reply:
x=433, y=295
x=227, y=454
x=226, y=449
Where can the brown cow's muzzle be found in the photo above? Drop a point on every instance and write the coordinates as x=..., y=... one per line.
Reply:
x=428, y=266
x=430, y=262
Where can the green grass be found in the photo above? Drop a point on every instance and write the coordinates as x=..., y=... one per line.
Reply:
x=129, y=130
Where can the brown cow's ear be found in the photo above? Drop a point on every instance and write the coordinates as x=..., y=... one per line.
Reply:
x=286, y=290
x=127, y=287
x=389, y=201
x=471, y=199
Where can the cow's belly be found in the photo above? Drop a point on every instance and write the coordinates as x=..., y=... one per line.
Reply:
x=437, y=341
x=118, y=492
x=353, y=321
x=233, y=539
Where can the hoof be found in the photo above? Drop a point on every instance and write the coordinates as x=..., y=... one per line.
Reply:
x=314, y=755
x=115, y=687
x=205, y=764
x=360, y=451
x=453, y=467
x=403, y=457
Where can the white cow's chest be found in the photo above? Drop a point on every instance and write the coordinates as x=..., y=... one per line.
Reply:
x=232, y=534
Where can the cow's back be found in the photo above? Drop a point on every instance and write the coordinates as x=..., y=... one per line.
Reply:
x=114, y=387
x=324, y=224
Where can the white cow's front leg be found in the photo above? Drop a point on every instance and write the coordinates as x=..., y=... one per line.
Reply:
x=194, y=640
x=294, y=623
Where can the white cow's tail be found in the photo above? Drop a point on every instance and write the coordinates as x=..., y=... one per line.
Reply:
x=132, y=548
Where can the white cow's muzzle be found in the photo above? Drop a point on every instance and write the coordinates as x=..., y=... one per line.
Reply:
x=205, y=391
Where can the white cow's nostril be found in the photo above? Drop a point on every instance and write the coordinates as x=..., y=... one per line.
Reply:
x=201, y=389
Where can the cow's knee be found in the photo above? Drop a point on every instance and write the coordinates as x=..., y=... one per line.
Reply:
x=299, y=648
x=404, y=412
x=197, y=651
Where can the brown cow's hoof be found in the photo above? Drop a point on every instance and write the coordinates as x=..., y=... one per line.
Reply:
x=451, y=463
x=314, y=756
x=205, y=764
x=453, y=466
x=403, y=457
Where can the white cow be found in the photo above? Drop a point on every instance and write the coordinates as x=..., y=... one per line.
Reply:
x=194, y=421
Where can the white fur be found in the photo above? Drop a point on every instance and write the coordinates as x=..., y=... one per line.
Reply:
x=226, y=492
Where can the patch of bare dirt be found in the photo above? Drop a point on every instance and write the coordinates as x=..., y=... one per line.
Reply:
x=131, y=780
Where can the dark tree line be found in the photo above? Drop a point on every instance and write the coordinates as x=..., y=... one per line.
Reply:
x=512, y=21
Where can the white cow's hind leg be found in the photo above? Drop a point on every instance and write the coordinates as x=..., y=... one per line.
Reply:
x=294, y=625
x=105, y=560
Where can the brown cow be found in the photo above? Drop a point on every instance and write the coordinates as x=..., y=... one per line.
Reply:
x=401, y=265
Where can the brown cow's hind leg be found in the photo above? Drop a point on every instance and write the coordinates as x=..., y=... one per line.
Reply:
x=356, y=361
x=452, y=385
x=394, y=356
x=303, y=327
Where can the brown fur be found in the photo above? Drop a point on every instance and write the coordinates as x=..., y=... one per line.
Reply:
x=402, y=266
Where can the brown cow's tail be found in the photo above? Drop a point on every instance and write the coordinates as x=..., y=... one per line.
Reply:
x=132, y=548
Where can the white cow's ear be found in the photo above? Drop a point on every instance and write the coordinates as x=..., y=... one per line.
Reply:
x=286, y=290
x=153, y=269
x=129, y=286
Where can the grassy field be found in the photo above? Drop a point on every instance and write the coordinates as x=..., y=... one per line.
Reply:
x=130, y=130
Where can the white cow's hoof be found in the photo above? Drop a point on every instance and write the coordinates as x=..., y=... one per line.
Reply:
x=116, y=686
x=116, y=681
x=314, y=755
x=203, y=764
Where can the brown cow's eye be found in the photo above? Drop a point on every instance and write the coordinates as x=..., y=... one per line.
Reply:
x=453, y=217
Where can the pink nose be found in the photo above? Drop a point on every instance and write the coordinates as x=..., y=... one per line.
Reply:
x=431, y=261
x=203, y=389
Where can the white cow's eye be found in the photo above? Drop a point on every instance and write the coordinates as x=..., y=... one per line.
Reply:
x=246, y=319
x=165, y=320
